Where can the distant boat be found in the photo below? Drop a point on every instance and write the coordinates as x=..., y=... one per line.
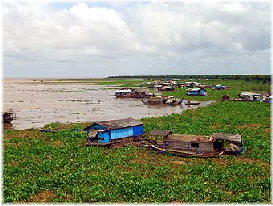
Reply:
x=131, y=93
x=162, y=101
x=153, y=101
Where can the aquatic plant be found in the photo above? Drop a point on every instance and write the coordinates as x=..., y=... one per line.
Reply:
x=54, y=167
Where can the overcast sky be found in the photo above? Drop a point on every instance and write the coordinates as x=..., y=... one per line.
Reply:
x=51, y=38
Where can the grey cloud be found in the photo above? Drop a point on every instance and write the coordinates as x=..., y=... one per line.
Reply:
x=184, y=37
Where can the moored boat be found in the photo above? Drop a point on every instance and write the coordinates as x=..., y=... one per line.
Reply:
x=200, y=145
x=159, y=100
x=132, y=93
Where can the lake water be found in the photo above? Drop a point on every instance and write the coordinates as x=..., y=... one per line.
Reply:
x=39, y=103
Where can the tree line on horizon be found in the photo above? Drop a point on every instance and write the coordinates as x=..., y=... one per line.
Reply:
x=263, y=78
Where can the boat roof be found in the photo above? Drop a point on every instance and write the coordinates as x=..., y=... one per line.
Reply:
x=189, y=138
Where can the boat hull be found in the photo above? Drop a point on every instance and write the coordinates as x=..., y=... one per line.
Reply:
x=184, y=153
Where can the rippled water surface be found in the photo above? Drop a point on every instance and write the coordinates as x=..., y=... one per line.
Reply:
x=37, y=104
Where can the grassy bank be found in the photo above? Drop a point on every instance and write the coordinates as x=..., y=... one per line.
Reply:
x=54, y=167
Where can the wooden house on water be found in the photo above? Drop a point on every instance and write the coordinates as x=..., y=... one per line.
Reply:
x=196, y=92
x=121, y=130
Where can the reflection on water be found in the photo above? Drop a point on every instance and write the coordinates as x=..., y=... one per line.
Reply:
x=37, y=104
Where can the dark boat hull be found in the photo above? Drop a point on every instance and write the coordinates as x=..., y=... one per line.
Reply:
x=184, y=153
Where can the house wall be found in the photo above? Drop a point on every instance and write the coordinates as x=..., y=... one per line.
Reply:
x=138, y=130
x=121, y=133
x=193, y=93
x=105, y=135
x=109, y=135
x=202, y=92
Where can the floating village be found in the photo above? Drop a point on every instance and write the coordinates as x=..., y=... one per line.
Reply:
x=129, y=131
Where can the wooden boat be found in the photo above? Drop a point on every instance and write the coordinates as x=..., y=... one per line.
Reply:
x=162, y=101
x=153, y=101
x=8, y=116
x=187, y=153
x=132, y=93
x=199, y=145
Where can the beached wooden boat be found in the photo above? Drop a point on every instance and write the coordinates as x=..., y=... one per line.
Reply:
x=200, y=145
x=184, y=153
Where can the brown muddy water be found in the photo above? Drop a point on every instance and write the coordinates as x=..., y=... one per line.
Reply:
x=37, y=104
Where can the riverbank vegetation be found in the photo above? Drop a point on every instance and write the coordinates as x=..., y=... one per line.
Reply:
x=262, y=78
x=235, y=87
x=55, y=167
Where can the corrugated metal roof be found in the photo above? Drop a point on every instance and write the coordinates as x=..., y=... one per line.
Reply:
x=120, y=123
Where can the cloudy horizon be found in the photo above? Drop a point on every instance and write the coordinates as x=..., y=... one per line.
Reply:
x=99, y=39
